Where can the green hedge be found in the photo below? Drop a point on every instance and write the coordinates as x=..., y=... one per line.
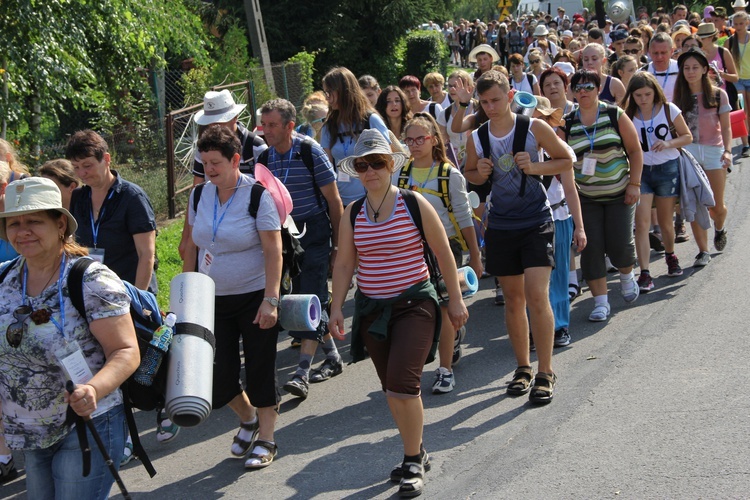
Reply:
x=426, y=51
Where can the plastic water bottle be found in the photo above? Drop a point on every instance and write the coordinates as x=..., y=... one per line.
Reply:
x=155, y=352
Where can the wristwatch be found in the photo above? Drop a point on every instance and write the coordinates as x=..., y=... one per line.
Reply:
x=274, y=301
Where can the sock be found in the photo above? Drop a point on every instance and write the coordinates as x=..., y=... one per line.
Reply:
x=646, y=272
x=244, y=435
x=718, y=230
x=626, y=281
x=5, y=459
x=415, y=459
x=573, y=277
x=329, y=348
x=668, y=254
x=303, y=369
x=678, y=219
x=601, y=300
x=261, y=450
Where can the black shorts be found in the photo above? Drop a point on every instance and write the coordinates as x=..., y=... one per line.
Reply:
x=509, y=253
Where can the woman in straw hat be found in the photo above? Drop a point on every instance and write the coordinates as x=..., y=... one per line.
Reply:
x=396, y=307
x=47, y=342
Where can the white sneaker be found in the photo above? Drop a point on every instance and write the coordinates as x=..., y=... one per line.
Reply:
x=444, y=381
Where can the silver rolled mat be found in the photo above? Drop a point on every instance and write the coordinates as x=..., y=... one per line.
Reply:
x=190, y=375
x=523, y=103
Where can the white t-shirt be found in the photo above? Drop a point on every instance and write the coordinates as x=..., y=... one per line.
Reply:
x=523, y=85
x=659, y=131
x=666, y=79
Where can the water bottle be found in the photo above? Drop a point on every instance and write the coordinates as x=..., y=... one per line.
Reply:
x=155, y=352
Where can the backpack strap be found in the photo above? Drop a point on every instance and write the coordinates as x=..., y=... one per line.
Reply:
x=197, y=191
x=672, y=130
x=255, y=194
x=447, y=114
x=356, y=207
x=530, y=79
x=523, y=123
x=75, y=290
x=403, y=176
x=412, y=205
x=444, y=177
x=483, y=132
x=306, y=152
x=263, y=157
x=431, y=109
x=8, y=266
x=612, y=112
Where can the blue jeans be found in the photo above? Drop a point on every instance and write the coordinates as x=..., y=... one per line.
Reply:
x=57, y=471
x=314, y=276
x=662, y=180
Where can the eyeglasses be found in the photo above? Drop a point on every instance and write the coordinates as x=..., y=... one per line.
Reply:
x=535, y=61
x=584, y=87
x=631, y=51
x=410, y=141
x=361, y=166
x=15, y=331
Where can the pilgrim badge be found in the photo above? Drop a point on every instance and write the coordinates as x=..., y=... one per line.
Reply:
x=506, y=162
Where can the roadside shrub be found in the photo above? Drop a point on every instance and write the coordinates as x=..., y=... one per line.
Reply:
x=426, y=51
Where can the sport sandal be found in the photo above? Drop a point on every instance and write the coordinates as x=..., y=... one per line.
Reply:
x=398, y=471
x=544, y=386
x=412, y=482
x=261, y=460
x=521, y=383
x=245, y=445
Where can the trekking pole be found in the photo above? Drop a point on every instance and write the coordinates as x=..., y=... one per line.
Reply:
x=70, y=387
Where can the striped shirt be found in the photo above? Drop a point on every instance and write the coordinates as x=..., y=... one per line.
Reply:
x=391, y=255
x=612, y=168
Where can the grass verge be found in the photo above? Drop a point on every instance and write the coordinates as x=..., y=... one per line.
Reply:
x=170, y=264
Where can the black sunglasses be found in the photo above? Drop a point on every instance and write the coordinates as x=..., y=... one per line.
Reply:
x=534, y=61
x=15, y=331
x=361, y=166
x=630, y=51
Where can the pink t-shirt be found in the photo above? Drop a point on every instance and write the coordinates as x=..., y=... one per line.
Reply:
x=704, y=123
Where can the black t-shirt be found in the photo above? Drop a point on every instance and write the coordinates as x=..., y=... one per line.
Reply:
x=126, y=211
x=252, y=146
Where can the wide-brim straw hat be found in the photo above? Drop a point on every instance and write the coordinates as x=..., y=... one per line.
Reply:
x=218, y=107
x=706, y=30
x=371, y=142
x=33, y=194
x=483, y=48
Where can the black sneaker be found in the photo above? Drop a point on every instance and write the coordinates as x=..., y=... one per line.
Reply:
x=412, y=482
x=8, y=471
x=720, y=240
x=296, y=342
x=746, y=152
x=297, y=386
x=327, y=370
x=655, y=242
x=562, y=337
x=398, y=471
x=673, y=266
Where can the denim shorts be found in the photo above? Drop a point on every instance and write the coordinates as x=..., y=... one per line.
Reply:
x=661, y=180
x=709, y=157
x=743, y=84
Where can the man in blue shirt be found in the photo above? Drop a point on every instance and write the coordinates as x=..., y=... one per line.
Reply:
x=307, y=173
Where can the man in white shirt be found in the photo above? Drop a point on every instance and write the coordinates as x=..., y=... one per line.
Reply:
x=662, y=66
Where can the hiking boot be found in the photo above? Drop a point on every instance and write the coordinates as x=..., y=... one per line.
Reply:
x=444, y=381
x=680, y=233
x=673, y=265
x=458, y=351
x=327, y=370
x=645, y=282
x=297, y=386
x=8, y=471
x=562, y=337
x=702, y=259
x=720, y=239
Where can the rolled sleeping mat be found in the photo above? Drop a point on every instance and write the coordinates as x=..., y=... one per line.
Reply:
x=191, y=360
x=523, y=103
x=300, y=312
x=467, y=280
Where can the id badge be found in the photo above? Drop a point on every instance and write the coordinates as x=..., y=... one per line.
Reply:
x=343, y=177
x=205, y=263
x=70, y=357
x=589, y=164
x=97, y=254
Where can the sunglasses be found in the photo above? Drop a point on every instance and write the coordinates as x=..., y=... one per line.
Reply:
x=361, y=166
x=630, y=51
x=15, y=331
x=535, y=61
x=410, y=141
x=319, y=120
x=584, y=87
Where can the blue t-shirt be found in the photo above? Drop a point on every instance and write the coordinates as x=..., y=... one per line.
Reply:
x=294, y=174
x=7, y=252
x=350, y=188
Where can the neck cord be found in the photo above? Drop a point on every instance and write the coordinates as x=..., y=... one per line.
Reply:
x=376, y=213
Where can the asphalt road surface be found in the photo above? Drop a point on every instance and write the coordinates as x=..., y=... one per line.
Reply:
x=651, y=404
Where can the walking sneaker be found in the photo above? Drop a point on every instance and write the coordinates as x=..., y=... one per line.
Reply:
x=297, y=386
x=166, y=430
x=458, y=351
x=702, y=259
x=746, y=151
x=673, y=265
x=327, y=370
x=127, y=453
x=655, y=242
x=645, y=283
x=499, y=298
x=720, y=239
x=562, y=337
x=296, y=342
x=629, y=293
x=680, y=233
x=444, y=381
x=8, y=472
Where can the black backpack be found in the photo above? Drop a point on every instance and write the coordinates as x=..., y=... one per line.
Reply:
x=412, y=205
x=292, y=252
x=307, y=158
x=523, y=123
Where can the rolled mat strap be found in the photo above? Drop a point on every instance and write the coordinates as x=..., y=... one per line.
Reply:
x=196, y=331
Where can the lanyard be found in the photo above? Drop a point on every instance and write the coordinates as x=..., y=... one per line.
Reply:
x=216, y=223
x=95, y=226
x=596, y=122
x=427, y=179
x=60, y=326
x=281, y=160
x=650, y=128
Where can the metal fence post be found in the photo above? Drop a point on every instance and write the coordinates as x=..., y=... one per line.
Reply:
x=170, y=168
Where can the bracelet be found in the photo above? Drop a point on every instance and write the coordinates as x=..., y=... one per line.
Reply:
x=636, y=184
x=728, y=151
x=335, y=249
x=463, y=104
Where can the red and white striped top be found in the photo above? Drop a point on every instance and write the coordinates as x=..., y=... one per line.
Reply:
x=391, y=256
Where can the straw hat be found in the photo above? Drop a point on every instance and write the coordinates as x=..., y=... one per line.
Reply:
x=371, y=142
x=706, y=30
x=483, y=48
x=34, y=194
x=218, y=107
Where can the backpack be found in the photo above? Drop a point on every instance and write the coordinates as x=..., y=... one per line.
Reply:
x=443, y=179
x=431, y=109
x=523, y=123
x=364, y=125
x=306, y=154
x=144, y=310
x=731, y=89
x=292, y=253
x=412, y=206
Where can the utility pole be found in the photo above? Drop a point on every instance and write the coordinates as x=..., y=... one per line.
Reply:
x=258, y=39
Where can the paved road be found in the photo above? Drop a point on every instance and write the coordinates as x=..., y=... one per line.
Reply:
x=649, y=405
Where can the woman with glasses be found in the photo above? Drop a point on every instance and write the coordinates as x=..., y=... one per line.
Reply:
x=47, y=343
x=349, y=113
x=537, y=63
x=607, y=169
x=394, y=108
x=593, y=59
x=396, y=311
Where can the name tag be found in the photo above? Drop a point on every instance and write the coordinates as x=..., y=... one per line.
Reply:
x=97, y=254
x=589, y=165
x=72, y=361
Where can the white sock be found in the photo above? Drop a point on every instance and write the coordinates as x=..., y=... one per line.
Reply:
x=573, y=277
x=244, y=435
x=626, y=281
x=601, y=300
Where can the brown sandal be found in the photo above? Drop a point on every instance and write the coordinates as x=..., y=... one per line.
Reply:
x=544, y=387
x=521, y=383
x=245, y=445
x=258, y=460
